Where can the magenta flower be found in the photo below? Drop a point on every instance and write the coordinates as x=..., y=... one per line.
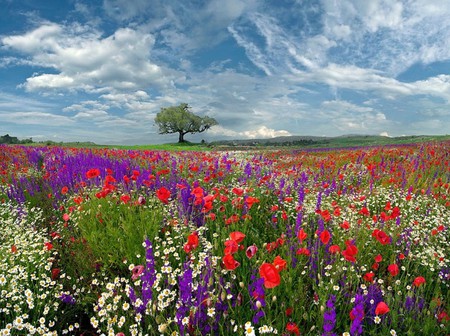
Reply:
x=136, y=272
x=251, y=251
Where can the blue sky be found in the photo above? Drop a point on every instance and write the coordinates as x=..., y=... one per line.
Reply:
x=79, y=70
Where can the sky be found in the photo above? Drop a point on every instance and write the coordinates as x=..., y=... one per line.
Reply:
x=83, y=70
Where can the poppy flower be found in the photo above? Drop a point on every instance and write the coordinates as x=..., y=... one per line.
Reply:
x=270, y=275
x=64, y=190
x=229, y=262
x=303, y=251
x=378, y=258
x=231, y=246
x=136, y=272
x=302, y=235
x=237, y=236
x=163, y=194
x=381, y=236
x=381, y=309
x=292, y=328
x=393, y=269
x=279, y=263
x=91, y=173
x=325, y=237
x=418, y=281
x=48, y=246
x=250, y=201
x=369, y=276
x=192, y=242
x=333, y=249
x=55, y=273
x=251, y=251
x=13, y=248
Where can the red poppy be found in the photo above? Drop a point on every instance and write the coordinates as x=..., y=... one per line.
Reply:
x=91, y=173
x=229, y=262
x=381, y=236
x=302, y=235
x=270, y=275
x=333, y=249
x=48, y=245
x=64, y=190
x=303, y=251
x=350, y=252
x=325, y=237
x=125, y=198
x=369, y=276
x=192, y=242
x=237, y=236
x=250, y=201
x=55, y=273
x=279, y=263
x=163, y=194
x=379, y=258
x=393, y=269
x=345, y=225
x=292, y=328
x=381, y=309
x=418, y=281
x=13, y=248
x=231, y=246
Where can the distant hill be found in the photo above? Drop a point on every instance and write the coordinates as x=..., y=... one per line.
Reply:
x=349, y=140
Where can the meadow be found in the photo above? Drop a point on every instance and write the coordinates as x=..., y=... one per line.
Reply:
x=101, y=241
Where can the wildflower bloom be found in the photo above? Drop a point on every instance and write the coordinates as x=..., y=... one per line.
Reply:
x=333, y=249
x=136, y=272
x=279, y=263
x=192, y=242
x=292, y=328
x=237, y=236
x=55, y=273
x=270, y=275
x=393, y=269
x=325, y=237
x=163, y=194
x=418, y=281
x=251, y=251
x=48, y=246
x=381, y=236
x=302, y=235
x=91, y=173
x=229, y=262
x=381, y=309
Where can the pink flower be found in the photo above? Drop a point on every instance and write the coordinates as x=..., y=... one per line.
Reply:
x=66, y=217
x=251, y=251
x=136, y=272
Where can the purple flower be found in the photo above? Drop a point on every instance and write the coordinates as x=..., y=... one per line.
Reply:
x=357, y=313
x=67, y=298
x=329, y=317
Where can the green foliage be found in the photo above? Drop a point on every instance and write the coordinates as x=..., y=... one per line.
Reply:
x=178, y=119
x=108, y=232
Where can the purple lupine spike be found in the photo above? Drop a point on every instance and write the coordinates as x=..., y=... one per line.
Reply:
x=185, y=285
x=356, y=327
x=329, y=317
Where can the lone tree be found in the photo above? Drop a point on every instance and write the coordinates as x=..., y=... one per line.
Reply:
x=178, y=119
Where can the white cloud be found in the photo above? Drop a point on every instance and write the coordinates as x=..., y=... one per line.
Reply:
x=261, y=132
x=87, y=61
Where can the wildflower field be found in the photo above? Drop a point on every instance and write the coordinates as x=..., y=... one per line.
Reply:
x=319, y=242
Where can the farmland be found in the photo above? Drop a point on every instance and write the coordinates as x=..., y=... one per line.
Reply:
x=327, y=241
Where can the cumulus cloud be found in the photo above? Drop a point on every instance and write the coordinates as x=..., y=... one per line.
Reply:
x=85, y=60
x=262, y=132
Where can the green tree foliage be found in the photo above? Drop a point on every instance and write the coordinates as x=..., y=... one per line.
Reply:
x=178, y=119
x=11, y=140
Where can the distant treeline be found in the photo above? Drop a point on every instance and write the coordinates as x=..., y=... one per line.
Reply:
x=7, y=139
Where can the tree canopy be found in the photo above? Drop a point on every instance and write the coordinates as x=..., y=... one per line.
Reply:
x=178, y=119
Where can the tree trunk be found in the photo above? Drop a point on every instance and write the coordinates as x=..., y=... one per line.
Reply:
x=180, y=137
